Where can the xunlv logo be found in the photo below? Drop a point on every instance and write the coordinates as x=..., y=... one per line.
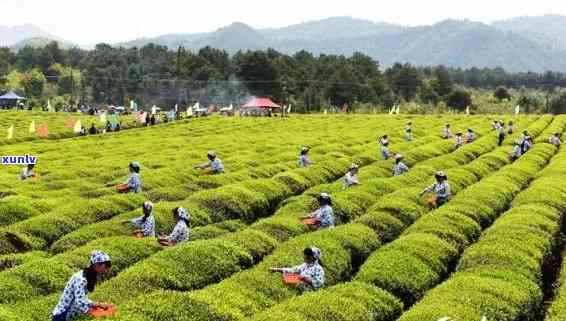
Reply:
x=19, y=160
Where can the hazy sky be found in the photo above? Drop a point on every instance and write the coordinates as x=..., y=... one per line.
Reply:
x=94, y=21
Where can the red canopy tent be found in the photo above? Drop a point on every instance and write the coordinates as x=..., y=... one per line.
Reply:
x=261, y=102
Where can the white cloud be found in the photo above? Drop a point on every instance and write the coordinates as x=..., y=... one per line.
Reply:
x=116, y=20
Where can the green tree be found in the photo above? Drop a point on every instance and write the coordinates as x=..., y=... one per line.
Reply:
x=459, y=99
x=502, y=93
x=443, y=84
x=258, y=72
x=557, y=104
x=33, y=83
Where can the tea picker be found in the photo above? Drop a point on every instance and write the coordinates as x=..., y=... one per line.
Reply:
x=447, y=132
x=304, y=160
x=526, y=141
x=459, y=141
x=74, y=301
x=133, y=184
x=181, y=230
x=384, y=142
x=409, y=132
x=145, y=224
x=213, y=166
x=440, y=189
x=500, y=135
x=308, y=276
x=351, y=178
x=555, y=140
x=516, y=152
x=323, y=217
x=470, y=136
x=399, y=168
x=27, y=172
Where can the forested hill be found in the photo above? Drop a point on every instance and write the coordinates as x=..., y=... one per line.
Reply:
x=461, y=44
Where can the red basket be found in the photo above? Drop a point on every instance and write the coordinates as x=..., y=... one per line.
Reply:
x=122, y=187
x=291, y=279
x=98, y=313
x=308, y=221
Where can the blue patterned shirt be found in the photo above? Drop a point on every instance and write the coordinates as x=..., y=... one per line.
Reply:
x=74, y=300
x=216, y=165
x=324, y=216
x=134, y=183
x=314, y=272
x=180, y=233
x=148, y=227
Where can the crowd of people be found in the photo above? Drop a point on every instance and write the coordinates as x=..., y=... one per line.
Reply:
x=309, y=276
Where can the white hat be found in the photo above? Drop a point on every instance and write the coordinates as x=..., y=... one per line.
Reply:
x=99, y=257
x=135, y=164
x=440, y=174
x=211, y=153
x=354, y=166
x=148, y=205
x=182, y=213
x=316, y=253
x=324, y=196
x=398, y=156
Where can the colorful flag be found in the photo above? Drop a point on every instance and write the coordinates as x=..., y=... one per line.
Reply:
x=70, y=122
x=517, y=110
x=32, y=127
x=43, y=130
x=10, y=132
x=113, y=119
x=133, y=105
x=49, y=107
x=78, y=127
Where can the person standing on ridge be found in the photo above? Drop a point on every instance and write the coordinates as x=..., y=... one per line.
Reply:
x=384, y=142
x=447, y=133
x=409, y=132
x=470, y=136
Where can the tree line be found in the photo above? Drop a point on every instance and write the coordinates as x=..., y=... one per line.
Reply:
x=155, y=74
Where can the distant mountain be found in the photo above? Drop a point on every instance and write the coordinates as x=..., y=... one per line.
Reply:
x=548, y=31
x=331, y=28
x=231, y=38
x=453, y=43
x=10, y=36
x=39, y=42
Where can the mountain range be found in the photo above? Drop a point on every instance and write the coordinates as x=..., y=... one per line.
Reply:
x=520, y=44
